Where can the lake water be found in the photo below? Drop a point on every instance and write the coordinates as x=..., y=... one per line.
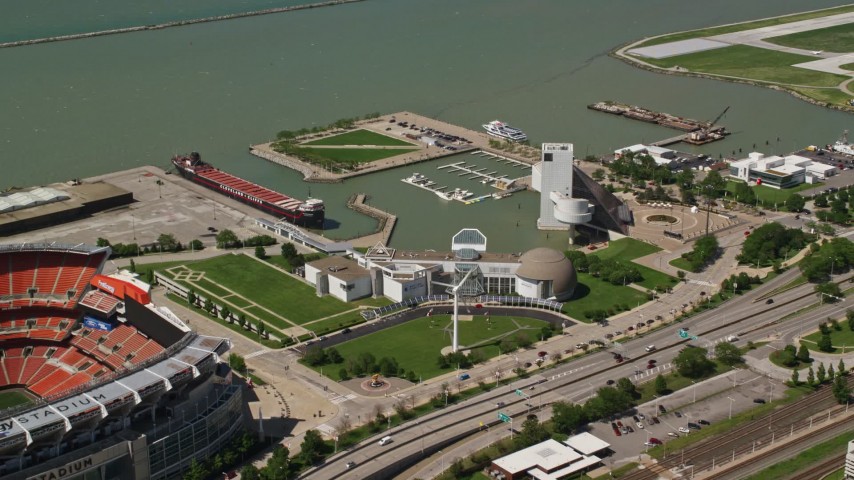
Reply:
x=85, y=107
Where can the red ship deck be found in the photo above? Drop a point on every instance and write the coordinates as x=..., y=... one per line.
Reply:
x=249, y=188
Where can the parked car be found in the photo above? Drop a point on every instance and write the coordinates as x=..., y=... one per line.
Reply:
x=693, y=426
x=656, y=420
x=631, y=430
x=703, y=422
x=678, y=415
x=672, y=434
x=769, y=301
x=758, y=400
x=617, y=432
x=346, y=330
x=654, y=441
x=684, y=430
x=636, y=418
x=640, y=425
x=641, y=416
x=661, y=409
x=649, y=348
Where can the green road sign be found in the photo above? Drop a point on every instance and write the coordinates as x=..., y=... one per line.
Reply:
x=683, y=333
x=504, y=418
x=520, y=393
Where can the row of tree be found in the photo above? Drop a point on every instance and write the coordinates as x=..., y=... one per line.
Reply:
x=212, y=309
x=840, y=389
x=772, y=242
x=705, y=252
x=228, y=239
x=341, y=123
x=834, y=256
x=613, y=271
x=165, y=243
x=231, y=455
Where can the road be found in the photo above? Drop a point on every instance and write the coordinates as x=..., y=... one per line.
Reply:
x=568, y=381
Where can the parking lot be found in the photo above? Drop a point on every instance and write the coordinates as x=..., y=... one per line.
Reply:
x=739, y=390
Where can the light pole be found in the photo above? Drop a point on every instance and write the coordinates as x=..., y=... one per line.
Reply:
x=730, y=406
x=694, y=391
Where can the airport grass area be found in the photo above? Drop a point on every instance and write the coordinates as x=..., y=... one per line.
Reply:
x=12, y=399
x=354, y=156
x=626, y=250
x=831, y=96
x=751, y=63
x=740, y=27
x=360, y=137
x=839, y=38
x=417, y=344
x=771, y=196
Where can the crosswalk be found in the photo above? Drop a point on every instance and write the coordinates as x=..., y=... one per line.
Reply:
x=650, y=372
x=701, y=282
x=257, y=353
x=327, y=429
x=336, y=399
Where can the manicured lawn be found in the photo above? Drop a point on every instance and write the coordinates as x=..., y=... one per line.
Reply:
x=805, y=458
x=706, y=32
x=593, y=294
x=626, y=250
x=321, y=327
x=212, y=288
x=418, y=343
x=11, y=399
x=771, y=196
x=682, y=264
x=775, y=359
x=676, y=382
x=752, y=63
x=356, y=155
x=847, y=66
x=360, y=137
x=266, y=286
x=840, y=339
x=832, y=39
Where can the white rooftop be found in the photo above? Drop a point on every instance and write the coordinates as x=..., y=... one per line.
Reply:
x=547, y=455
x=820, y=167
x=563, y=472
x=639, y=147
x=654, y=150
x=587, y=443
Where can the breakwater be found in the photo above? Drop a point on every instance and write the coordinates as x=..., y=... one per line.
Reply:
x=177, y=23
x=386, y=220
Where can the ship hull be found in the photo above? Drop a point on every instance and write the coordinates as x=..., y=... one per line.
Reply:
x=307, y=219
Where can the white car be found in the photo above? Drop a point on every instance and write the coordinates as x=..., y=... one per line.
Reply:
x=640, y=425
x=672, y=434
x=684, y=430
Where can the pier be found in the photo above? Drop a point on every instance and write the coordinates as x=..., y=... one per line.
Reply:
x=466, y=170
x=502, y=159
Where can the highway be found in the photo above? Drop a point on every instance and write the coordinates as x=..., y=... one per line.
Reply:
x=574, y=380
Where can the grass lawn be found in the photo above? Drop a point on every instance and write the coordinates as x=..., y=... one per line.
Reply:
x=842, y=338
x=682, y=264
x=417, y=344
x=593, y=294
x=356, y=155
x=739, y=27
x=143, y=268
x=626, y=250
x=832, y=96
x=769, y=196
x=322, y=327
x=752, y=63
x=234, y=327
x=677, y=382
x=775, y=359
x=213, y=288
x=12, y=399
x=266, y=286
x=360, y=137
x=847, y=66
x=805, y=458
x=832, y=39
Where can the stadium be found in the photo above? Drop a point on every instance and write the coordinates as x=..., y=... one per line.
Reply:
x=97, y=382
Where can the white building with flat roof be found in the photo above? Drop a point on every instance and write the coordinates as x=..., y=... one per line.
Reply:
x=586, y=443
x=849, y=460
x=552, y=174
x=340, y=277
x=780, y=172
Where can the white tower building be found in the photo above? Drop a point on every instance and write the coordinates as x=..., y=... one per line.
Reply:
x=552, y=177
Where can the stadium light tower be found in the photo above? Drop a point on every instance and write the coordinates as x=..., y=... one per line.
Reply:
x=456, y=291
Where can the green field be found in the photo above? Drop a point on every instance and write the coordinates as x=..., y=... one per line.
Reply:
x=832, y=96
x=417, y=344
x=628, y=249
x=752, y=63
x=266, y=286
x=12, y=399
x=360, y=137
x=806, y=458
x=840, y=339
x=593, y=294
x=770, y=196
x=739, y=27
x=682, y=264
x=838, y=39
x=355, y=156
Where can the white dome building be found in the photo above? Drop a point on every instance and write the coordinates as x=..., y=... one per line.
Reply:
x=545, y=273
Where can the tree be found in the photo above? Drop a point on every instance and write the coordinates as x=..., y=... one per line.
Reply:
x=804, y=354
x=250, y=472
x=795, y=203
x=830, y=373
x=661, y=385
x=567, y=417
x=191, y=297
x=226, y=239
x=333, y=356
x=311, y=447
x=532, y=433
x=626, y=385
x=225, y=313
x=810, y=377
x=132, y=266
x=102, y=242
x=278, y=465
x=209, y=306
x=825, y=344
x=840, y=369
x=236, y=362
x=260, y=252
x=821, y=374
x=196, y=245
x=197, y=471
x=795, y=378
x=841, y=390
x=167, y=242
x=241, y=320
x=728, y=353
x=289, y=250
x=149, y=276
x=598, y=174
x=261, y=328
x=692, y=362
x=713, y=184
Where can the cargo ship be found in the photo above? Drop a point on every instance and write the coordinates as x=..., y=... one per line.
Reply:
x=309, y=213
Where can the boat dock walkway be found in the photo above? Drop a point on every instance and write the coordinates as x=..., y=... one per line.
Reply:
x=465, y=169
x=502, y=159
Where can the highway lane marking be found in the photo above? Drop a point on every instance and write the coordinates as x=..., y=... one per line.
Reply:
x=575, y=370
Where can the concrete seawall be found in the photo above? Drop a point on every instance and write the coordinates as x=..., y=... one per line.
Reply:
x=387, y=220
x=177, y=23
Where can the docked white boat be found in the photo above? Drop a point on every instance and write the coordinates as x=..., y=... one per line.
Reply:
x=499, y=129
x=444, y=195
x=416, y=179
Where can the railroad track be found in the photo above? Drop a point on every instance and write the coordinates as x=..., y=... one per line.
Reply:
x=476, y=407
x=742, y=439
